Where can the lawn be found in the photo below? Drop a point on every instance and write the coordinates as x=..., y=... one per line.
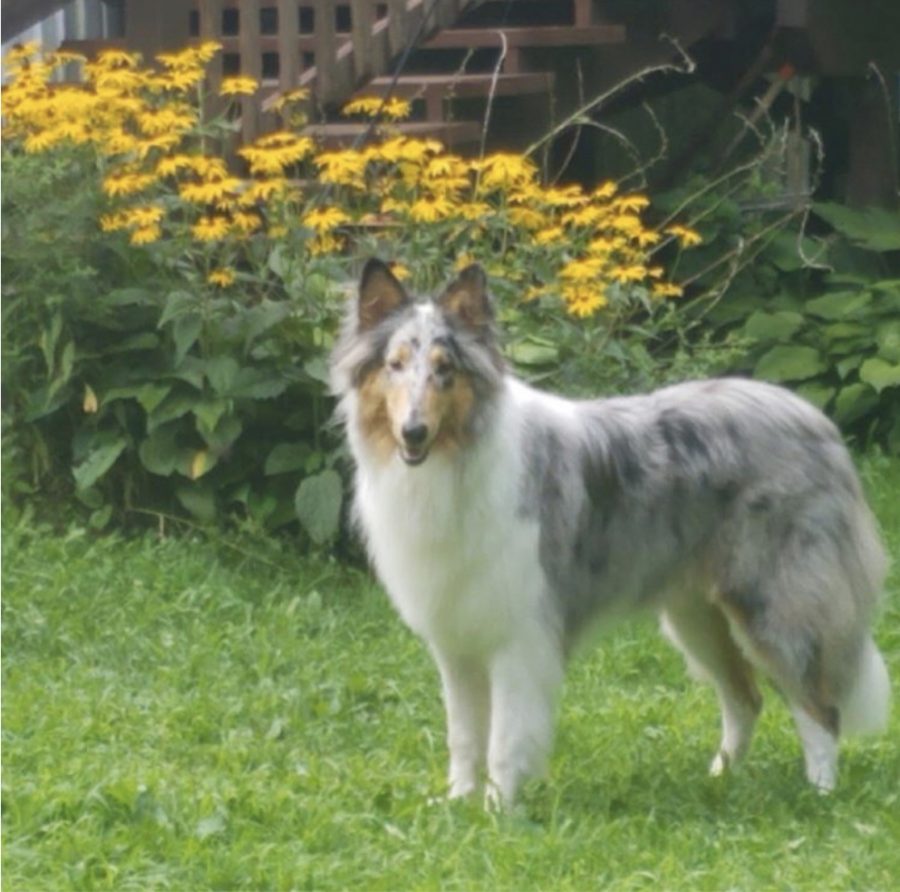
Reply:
x=202, y=713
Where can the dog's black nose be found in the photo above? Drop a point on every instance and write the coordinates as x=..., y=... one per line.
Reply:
x=415, y=434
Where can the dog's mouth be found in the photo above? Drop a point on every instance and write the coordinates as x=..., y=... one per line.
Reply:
x=413, y=455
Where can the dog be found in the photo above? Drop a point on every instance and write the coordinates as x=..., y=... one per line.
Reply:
x=505, y=522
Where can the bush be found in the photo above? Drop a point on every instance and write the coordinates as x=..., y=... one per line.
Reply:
x=169, y=303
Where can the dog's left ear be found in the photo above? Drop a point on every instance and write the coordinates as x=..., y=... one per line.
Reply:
x=467, y=298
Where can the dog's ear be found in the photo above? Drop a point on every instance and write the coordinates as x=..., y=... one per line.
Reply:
x=468, y=300
x=380, y=293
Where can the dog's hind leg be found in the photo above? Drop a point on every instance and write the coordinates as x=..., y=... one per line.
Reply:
x=702, y=633
x=467, y=703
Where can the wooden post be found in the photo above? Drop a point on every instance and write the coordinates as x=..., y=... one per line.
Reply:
x=210, y=12
x=326, y=49
x=251, y=66
x=363, y=20
x=288, y=45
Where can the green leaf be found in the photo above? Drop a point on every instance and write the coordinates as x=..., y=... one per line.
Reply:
x=783, y=363
x=145, y=341
x=879, y=373
x=286, y=457
x=103, y=454
x=185, y=332
x=175, y=405
x=839, y=304
x=161, y=454
x=223, y=435
x=221, y=372
x=887, y=336
x=872, y=228
x=317, y=369
x=258, y=384
x=532, y=351
x=853, y=402
x=199, y=499
x=209, y=412
x=318, y=505
x=773, y=326
x=151, y=395
x=816, y=393
x=177, y=304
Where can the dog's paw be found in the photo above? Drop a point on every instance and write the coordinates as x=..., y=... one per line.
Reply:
x=720, y=764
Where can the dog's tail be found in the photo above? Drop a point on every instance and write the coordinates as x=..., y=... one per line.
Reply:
x=866, y=706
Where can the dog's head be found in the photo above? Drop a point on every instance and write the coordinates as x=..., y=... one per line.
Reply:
x=423, y=371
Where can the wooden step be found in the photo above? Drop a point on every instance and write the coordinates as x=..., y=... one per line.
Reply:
x=451, y=133
x=413, y=86
x=538, y=36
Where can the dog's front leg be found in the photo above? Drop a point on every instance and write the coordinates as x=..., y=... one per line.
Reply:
x=525, y=679
x=467, y=702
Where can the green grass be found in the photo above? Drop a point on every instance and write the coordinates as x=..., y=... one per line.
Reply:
x=187, y=714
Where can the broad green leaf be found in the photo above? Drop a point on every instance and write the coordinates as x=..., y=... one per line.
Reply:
x=262, y=317
x=773, y=326
x=533, y=352
x=258, y=384
x=221, y=372
x=199, y=499
x=223, y=435
x=161, y=454
x=99, y=460
x=879, y=373
x=784, y=363
x=872, y=228
x=286, y=457
x=175, y=405
x=149, y=396
x=317, y=369
x=887, y=336
x=839, y=304
x=185, y=332
x=318, y=505
x=208, y=412
x=817, y=394
x=177, y=303
x=145, y=341
x=853, y=402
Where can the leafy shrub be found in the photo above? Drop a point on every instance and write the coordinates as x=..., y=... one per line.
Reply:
x=167, y=315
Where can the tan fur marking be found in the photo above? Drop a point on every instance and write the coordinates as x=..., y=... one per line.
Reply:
x=374, y=420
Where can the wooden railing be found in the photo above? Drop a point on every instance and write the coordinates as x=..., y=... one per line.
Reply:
x=332, y=48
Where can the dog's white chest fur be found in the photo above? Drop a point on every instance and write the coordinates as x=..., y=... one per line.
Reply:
x=458, y=560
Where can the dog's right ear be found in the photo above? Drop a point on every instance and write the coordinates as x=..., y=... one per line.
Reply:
x=380, y=294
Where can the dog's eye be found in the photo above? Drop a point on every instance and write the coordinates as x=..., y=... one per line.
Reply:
x=442, y=368
x=395, y=365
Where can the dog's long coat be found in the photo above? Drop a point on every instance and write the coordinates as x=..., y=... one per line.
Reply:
x=503, y=521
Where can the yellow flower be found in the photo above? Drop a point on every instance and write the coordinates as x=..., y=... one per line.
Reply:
x=687, y=238
x=169, y=118
x=245, y=222
x=324, y=244
x=263, y=190
x=239, y=85
x=564, y=197
x=271, y=154
x=633, y=202
x=583, y=301
x=342, y=167
x=209, y=191
x=150, y=215
x=605, y=190
x=223, y=277
x=627, y=223
x=647, y=237
x=301, y=94
x=504, y=170
x=127, y=183
x=527, y=218
x=633, y=273
x=588, y=215
x=375, y=106
x=145, y=235
x=585, y=270
x=430, y=210
x=666, y=289
x=550, y=235
x=400, y=271
x=323, y=220
x=114, y=58
x=210, y=228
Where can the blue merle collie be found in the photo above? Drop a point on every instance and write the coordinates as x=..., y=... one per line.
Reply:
x=505, y=522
